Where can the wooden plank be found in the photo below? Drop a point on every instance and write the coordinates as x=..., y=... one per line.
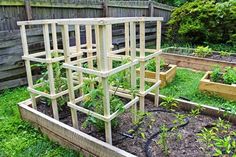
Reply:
x=223, y=90
x=68, y=135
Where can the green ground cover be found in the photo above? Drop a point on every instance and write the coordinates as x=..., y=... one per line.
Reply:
x=18, y=138
x=186, y=84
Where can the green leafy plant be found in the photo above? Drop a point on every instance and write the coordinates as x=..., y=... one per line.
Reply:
x=60, y=82
x=151, y=65
x=219, y=138
x=202, y=51
x=196, y=111
x=204, y=22
x=230, y=75
x=227, y=77
x=162, y=141
x=224, y=54
x=216, y=74
x=169, y=103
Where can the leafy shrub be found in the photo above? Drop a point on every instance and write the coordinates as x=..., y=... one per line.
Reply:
x=227, y=77
x=202, y=51
x=198, y=22
x=216, y=74
x=230, y=75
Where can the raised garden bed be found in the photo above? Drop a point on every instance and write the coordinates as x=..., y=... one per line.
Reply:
x=184, y=57
x=141, y=142
x=226, y=91
x=166, y=75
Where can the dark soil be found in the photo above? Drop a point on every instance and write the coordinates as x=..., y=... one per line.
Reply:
x=215, y=56
x=181, y=142
x=165, y=68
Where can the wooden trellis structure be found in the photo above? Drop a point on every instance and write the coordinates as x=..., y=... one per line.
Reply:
x=101, y=52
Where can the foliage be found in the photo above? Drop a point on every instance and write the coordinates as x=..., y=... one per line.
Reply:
x=59, y=81
x=230, y=75
x=227, y=77
x=151, y=65
x=224, y=54
x=94, y=98
x=202, y=51
x=199, y=22
x=219, y=138
x=173, y=2
x=163, y=139
x=195, y=112
x=19, y=138
x=216, y=74
x=169, y=103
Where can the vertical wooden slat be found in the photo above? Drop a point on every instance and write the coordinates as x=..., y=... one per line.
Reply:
x=88, y=29
x=78, y=50
x=142, y=64
x=50, y=70
x=27, y=64
x=66, y=46
x=158, y=47
x=133, y=68
x=104, y=50
x=127, y=39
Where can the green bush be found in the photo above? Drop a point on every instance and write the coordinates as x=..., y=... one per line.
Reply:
x=227, y=77
x=203, y=22
x=202, y=51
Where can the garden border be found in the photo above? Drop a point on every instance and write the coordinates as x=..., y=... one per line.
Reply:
x=165, y=77
x=77, y=140
x=224, y=90
x=197, y=63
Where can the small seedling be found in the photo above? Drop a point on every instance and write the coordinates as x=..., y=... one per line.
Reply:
x=163, y=139
x=169, y=103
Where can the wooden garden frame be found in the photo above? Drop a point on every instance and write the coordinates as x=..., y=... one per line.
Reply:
x=104, y=54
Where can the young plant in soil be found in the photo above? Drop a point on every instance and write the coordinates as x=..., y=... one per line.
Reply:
x=202, y=51
x=94, y=98
x=219, y=138
x=151, y=65
x=169, y=103
x=162, y=141
x=59, y=81
x=228, y=76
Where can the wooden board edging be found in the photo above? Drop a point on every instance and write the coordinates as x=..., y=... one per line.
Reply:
x=69, y=136
x=207, y=110
x=80, y=141
x=197, y=63
x=223, y=90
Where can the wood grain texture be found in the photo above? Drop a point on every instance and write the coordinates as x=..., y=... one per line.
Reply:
x=223, y=90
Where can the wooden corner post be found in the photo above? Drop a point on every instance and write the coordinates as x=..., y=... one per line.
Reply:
x=104, y=48
x=157, y=58
x=133, y=56
x=66, y=46
x=27, y=64
x=142, y=65
x=50, y=70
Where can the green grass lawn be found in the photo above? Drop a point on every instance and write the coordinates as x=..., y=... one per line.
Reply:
x=186, y=84
x=18, y=138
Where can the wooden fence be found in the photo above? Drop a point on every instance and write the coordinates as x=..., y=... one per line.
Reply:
x=12, y=70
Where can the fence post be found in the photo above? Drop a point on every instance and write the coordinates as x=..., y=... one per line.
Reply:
x=150, y=8
x=105, y=8
x=28, y=10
